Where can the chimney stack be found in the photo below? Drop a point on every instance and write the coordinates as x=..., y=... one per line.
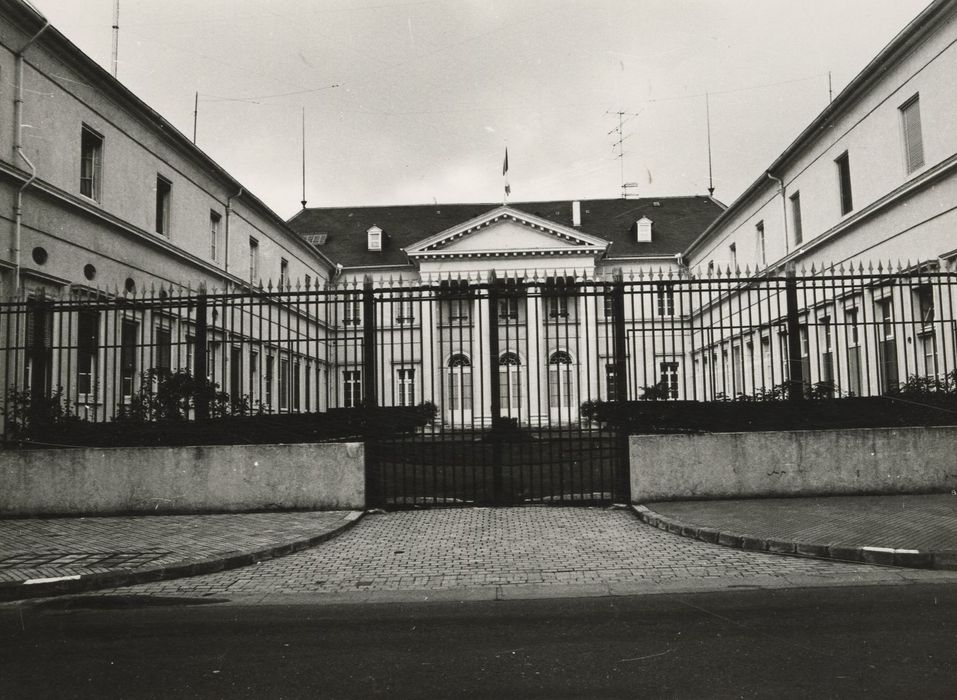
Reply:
x=576, y=214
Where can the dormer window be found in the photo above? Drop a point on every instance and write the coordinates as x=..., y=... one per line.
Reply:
x=644, y=230
x=374, y=236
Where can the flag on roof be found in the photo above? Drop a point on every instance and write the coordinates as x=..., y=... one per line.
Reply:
x=508, y=189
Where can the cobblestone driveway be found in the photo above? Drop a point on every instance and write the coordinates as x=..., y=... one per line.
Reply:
x=445, y=549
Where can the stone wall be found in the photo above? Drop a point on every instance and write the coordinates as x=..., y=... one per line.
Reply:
x=218, y=478
x=796, y=463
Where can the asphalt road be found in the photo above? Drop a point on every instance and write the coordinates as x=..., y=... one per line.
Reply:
x=876, y=641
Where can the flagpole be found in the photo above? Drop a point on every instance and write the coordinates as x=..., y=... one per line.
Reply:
x=505, y=178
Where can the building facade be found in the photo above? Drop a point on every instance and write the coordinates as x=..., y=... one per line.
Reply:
x=101, y=198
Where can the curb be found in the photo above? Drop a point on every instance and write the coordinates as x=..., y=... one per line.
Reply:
x=882, y=556
x=78, y=583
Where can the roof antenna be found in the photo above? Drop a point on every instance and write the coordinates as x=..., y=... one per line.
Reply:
x=830, y=89
x=303, y=157
x=625, y=186
x=707, y=116
x=116, y=35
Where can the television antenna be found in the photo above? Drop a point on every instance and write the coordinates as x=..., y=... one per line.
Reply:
x=619, y=147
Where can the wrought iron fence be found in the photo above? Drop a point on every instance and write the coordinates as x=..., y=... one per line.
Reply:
x=526, y=350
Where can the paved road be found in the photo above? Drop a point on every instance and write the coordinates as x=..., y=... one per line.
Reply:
x=509, y=550
x=877, y=642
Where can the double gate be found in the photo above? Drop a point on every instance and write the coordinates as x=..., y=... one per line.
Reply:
x=507, y=370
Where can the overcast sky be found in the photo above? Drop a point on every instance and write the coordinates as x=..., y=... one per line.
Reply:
x=430, y=92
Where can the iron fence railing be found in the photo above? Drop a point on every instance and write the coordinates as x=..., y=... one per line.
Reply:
x=527, y=351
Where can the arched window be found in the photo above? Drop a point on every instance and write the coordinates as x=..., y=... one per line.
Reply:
x=459, y=361
x=510, y=383
x=560, y=380
x=460, y=387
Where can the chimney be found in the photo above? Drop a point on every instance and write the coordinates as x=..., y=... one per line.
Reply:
x=576, y=214
x=644, y=230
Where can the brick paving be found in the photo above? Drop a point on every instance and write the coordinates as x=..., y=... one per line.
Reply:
x=468, y=548
x=924, y=522
x=52, y=547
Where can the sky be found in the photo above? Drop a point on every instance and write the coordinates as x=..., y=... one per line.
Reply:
x=415, y=101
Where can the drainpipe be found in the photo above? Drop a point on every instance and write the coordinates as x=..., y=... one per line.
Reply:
x=784, y=211
x=18, y=146
x=229, y=208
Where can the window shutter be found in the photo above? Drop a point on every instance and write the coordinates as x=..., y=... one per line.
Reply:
x=913, y=138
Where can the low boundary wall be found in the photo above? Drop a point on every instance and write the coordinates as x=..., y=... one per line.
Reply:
x=793, y=463
x=203, y=479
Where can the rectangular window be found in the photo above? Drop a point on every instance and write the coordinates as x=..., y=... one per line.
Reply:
x=737, y=370
x=296, y=388
x=508, y=308
x=404, y=313
x=827, y=351
x=853, y=334
x=665, y=297
x=270, y=360
x=925, y=303
x=669, y=379
x=128, y=357
x=253, y=372
x=214, y=219
x=91, y=154
x=733, y=255
x=190, y=352
x=253, y=260
x=39, y=347
x=761, y=247
x=164, y=349
x=844, y=180
x=405, y=384
x=283, y=273
x=796, y=223
x=611, y=382
x=235, y=374
x=913, y=138
x=609, y=306
x=308, y=387
x=283, y=385
x=87, y=344
x=887, y=346
x=458, y=311
x=164, y=189
x=557, y=307
x=352, y=314
x=929, y=355
x=351, y=388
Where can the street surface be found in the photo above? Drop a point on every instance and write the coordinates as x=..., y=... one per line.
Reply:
x=511, y=549
x=875, y=642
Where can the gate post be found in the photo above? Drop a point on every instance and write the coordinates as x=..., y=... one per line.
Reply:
x=495, y=390
x=369, y=384
x=369, y=393
x=795, y=369
x=199, y=351
x=621, y=384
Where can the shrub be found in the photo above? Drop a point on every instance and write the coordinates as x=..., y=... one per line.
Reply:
x=32, y=417
x=164, y=395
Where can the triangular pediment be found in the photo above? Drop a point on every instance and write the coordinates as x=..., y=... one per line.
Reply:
x=507, y=231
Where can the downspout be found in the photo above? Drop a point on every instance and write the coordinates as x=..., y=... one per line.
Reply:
x=784, y=211
x=18, y=146
x=229, y=208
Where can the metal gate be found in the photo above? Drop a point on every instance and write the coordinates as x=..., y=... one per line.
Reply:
x=508, y=369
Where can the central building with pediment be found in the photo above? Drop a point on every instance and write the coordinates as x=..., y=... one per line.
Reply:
x=441, y=340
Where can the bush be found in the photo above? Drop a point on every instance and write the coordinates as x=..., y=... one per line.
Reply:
x=164, y=396
x=32, y=417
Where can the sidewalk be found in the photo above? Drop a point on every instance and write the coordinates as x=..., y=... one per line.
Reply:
x=40, y=557
x=911, y=531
